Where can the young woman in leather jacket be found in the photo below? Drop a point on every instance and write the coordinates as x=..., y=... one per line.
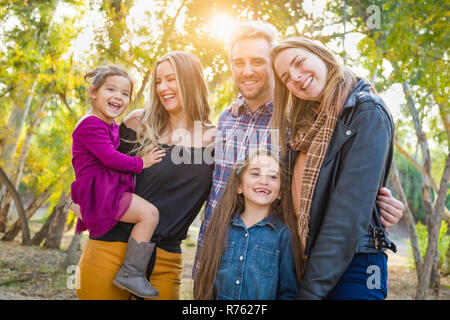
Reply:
x=340, y=151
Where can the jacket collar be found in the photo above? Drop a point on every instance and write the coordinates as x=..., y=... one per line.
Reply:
x=271, y=220
x=361, y=87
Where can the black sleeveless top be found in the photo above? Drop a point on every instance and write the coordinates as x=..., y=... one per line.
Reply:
x=178, y=186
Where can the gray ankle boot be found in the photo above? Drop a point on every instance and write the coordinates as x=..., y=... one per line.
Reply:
x=131, y=275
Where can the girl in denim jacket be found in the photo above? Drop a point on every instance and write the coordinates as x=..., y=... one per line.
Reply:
x=248, y=249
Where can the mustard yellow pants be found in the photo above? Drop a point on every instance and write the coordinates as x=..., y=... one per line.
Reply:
x=101, y=260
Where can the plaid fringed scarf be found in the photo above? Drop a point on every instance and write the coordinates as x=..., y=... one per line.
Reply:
x=314, y=143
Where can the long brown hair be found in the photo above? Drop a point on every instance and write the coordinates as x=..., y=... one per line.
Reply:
x=230, y=205
x=300, y=114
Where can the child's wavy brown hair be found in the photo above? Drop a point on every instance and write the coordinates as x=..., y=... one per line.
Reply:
x=99, y=75
x=228, y=207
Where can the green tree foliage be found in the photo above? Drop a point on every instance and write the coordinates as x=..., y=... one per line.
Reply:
x=38, y=60
x=415, y=47
x=410, y=179
x=422, y=234
x=415, y=44
x=36, y=67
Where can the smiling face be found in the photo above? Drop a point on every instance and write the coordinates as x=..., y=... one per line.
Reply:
x=303, y=73
x=166, y=87
x=250, y=65
x=261, y=182
x=111, y=98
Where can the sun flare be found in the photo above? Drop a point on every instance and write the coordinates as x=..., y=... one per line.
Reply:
x=221, y=26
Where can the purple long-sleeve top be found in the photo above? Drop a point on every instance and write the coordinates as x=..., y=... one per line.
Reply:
x=104, y=176
x=94, y=148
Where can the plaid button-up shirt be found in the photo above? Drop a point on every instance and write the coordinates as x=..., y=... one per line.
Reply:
x=236, y=136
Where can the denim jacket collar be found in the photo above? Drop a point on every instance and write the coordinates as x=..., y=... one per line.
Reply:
x=271, y=220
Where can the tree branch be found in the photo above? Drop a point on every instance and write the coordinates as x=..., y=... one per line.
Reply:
x=19, y=206
x=409, y=219
x=415, y=163
x=419, y=168
x=7, y=91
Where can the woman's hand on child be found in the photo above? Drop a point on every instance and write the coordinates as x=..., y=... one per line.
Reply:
x=153, y=157
x=76, y=209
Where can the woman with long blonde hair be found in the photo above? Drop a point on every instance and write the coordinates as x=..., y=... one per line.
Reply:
x=186, y=102
x=178, y=104
x=256, y=206
x=339, y=150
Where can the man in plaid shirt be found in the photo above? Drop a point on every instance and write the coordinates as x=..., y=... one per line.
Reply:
x=241, y=131
x=248, y=128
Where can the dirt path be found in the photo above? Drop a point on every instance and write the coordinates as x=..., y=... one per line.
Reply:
x=34, y=273
x=402, y=281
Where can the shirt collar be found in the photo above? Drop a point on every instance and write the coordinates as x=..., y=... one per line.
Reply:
x=271, y=220
x=243, y=107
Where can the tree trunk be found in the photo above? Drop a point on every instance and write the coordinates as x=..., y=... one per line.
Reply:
x=140, y=92
x=446, y=266
x=3, y=197
x=71, y=223
x=23, y=153
x=42, y=234
x=21, y=212
x=408, y=216
x=73, y=248
x=55, y=234
x=14, y=230
x=419, y=167
x=19, y=112
x=435, y=277
x=14, y=127
x=422, y=140
x=445, y=116
x=433, y=234
x=4, y=213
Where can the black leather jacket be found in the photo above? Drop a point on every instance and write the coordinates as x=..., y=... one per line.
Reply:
x=343, y=208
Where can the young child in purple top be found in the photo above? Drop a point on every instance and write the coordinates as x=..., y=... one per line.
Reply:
x=104, y=186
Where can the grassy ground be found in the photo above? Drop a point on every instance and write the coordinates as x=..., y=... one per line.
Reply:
x=34, y=273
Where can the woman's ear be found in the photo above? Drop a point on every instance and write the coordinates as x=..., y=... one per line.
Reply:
x=239, y=189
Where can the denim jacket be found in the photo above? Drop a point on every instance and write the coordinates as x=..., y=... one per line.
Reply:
x=258, y=262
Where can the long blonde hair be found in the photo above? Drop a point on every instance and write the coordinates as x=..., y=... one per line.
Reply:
x=300, y=114
x=192, y=93
x=228, y=207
